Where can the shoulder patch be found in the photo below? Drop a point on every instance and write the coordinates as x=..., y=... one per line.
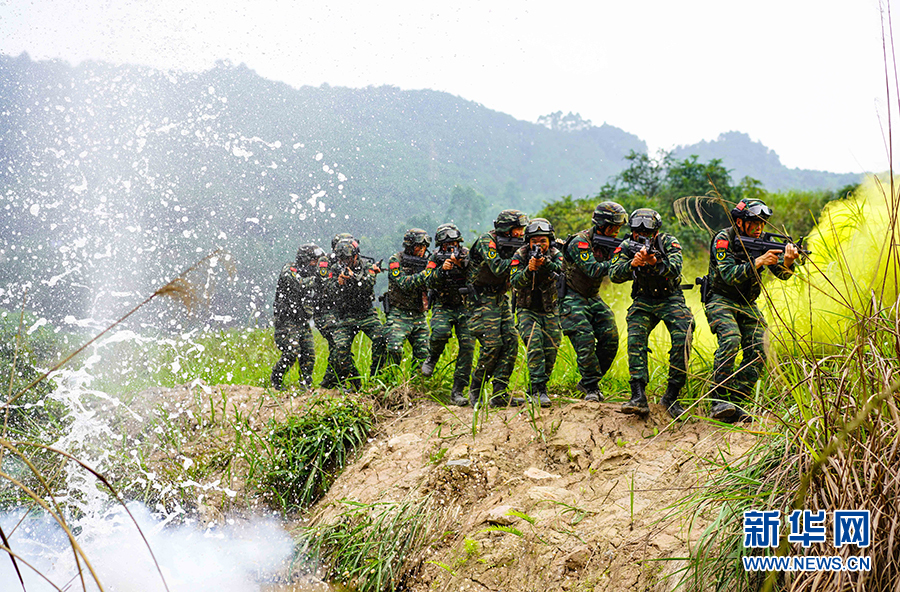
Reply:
x=431, y=265
x=323, y=271
x=676, y=245
x=515, y=262
x=722, y=243
x=492, y=245
x=395, y=265
x=492, y=254
x=394, y=271
x=323, y=263
x=583, y=245
x=585, y=255
x=618, y=249
x=294, y=269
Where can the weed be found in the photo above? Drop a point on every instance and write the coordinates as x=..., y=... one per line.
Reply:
x=372, y=547
x=308, y=450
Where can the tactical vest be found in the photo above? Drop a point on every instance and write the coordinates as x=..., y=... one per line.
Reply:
x=576, y=279
x=352, y=299
x=649, y=284
x=544, y=295
x=485, y=280
x=292, y=304
x=446, y=290
x=746, y=291
x=414, y=300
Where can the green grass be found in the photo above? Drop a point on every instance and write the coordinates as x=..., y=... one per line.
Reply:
x=371, y=547
x=307, y=452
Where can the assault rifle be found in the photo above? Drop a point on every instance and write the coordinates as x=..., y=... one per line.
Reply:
x=416, y=263
x=638, y=244
x=608, y=243
x=441, y=256
x=536, y=252
x=769, y=241
x=509, y=242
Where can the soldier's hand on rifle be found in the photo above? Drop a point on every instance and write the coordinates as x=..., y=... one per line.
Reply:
x=790, y=254
x=770, y=257
x=448, y=264
x=534, y=263
x=345, y=275
x=642, y=258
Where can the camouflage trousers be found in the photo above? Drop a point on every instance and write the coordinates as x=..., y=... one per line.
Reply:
x=643, y=315
x=738, y=327
x=296, y=345
x=491, y=323
x=345, y=331
x=405, y=325
x=326, y=323
x=542, y=337
x=590, y=325
x=443, y=320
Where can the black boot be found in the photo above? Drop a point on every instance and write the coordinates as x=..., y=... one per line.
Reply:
x=591, y=391
x=721, y=409
x=458, y=394
x=637, y=405
x=670, y=401
x=539, y=395
x=428, y=366
x=278, y=372
x=502, y=398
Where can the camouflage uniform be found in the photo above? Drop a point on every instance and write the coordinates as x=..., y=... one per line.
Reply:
x=537, y=312
x=448, y=312
x=293, y=335
x=326, y=321
x=353, y=306
x=408, y=301
x=490, y=318
x=733, y=316
x=587, y=321
x=657, y=296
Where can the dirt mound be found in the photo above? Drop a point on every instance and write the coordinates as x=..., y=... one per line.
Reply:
x=573, y=497
x=588, y=489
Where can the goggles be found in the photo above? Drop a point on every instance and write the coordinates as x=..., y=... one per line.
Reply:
x=759, y=211
x=539, y=226
x=643, y=223
x=445, y=236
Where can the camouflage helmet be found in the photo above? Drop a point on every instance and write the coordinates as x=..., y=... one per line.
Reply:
x=645, y=220
x=308, y=253
x=540, y=227
x=339, y=237
x=509, y=219
x=608, y=213
x=447, y=233
x=751, y=209
x=415, y=237
x=346, y=249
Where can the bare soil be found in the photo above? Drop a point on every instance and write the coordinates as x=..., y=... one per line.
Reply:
x=593, y=487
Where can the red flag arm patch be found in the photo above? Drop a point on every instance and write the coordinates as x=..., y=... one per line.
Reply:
x=618, y=249
x=323, y=263
x=492, y=245
x=515, y=262
x=395, y=265
x=722, y=243
x=583, y=245
x=431, y=265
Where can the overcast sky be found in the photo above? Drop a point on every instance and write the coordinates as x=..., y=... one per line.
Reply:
x=806, y=78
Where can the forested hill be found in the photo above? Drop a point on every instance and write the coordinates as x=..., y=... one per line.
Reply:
x=746, y=158
x=115, y=178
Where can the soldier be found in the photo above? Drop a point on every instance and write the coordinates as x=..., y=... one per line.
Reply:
x=293, y=309
x=533, y=274
x=324, y=315
x=653, y=261
x=351, y=285
x=490, y=318
x=590, y=323
x=448, y=309
x=407, y=297
x=735, y=282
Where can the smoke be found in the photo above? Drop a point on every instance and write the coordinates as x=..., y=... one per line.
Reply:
x=232, y=558
x=852, y=272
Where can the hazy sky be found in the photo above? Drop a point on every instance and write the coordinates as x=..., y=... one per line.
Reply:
x=806, y=78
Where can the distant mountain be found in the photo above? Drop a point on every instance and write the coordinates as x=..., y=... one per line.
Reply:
x=114, y=178
x=744, y=158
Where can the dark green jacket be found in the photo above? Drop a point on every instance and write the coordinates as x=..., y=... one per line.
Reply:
x=658, y=281
x=733, y=274
x=489, y=266
x=586, y=266
x=406, y=287
x=536, y=290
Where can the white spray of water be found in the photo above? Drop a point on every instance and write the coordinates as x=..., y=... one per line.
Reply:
x=230, y=557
